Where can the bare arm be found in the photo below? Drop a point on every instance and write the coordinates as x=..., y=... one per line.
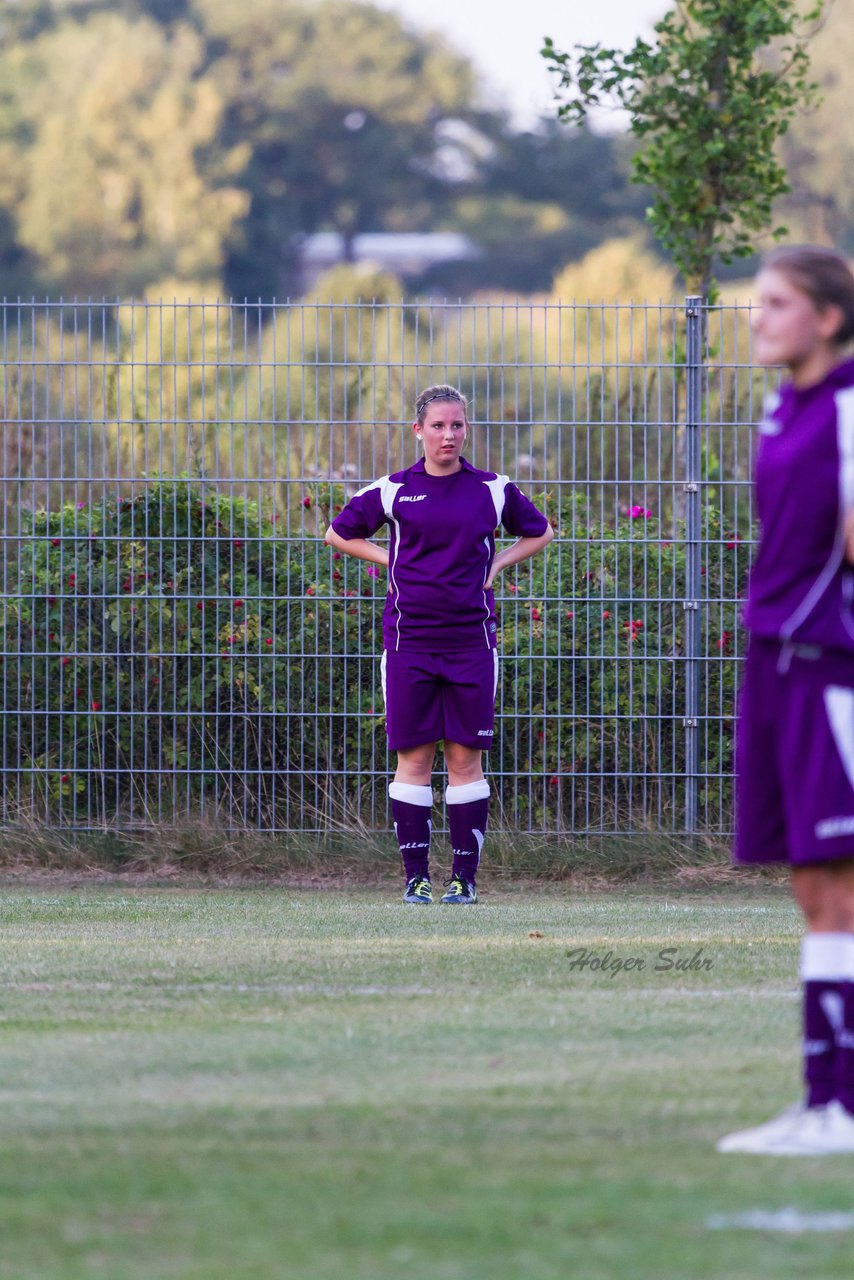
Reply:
x=361, y=548
x=522, y=549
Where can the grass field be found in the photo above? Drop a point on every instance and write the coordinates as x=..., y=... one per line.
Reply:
x=212, y=1084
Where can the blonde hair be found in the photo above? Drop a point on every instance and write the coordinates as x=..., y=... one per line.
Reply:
x=439, y=392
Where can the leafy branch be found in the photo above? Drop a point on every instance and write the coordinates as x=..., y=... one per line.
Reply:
x=709, y=99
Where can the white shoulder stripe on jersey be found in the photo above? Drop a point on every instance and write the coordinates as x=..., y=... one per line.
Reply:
x=844, y=402
x=769, y=425
x=845, y=434
x=389, y=490
x=496, y=489
x=366, y=488
x=839, y=705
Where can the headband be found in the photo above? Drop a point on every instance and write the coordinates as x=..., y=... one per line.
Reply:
x=440, y=395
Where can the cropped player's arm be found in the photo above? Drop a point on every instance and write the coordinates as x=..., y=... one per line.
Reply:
x=361, y=548
x=520, y=550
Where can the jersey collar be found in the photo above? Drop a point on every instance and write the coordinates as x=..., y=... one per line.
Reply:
x=465, y=465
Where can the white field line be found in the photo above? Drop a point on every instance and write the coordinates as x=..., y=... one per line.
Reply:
x=790, y=1220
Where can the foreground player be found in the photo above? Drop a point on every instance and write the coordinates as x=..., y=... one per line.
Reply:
x=795, y=746
x=439, y=663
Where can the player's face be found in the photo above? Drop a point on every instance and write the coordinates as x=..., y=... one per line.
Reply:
x=443, y=434
x=790, y=329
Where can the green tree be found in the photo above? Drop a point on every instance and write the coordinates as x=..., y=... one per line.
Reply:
x=818, y=150
x=117, y=178
x=542, y=197
x=346, y=113
x=708, y=100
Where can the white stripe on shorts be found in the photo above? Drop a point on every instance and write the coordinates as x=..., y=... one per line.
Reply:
x=839, y=705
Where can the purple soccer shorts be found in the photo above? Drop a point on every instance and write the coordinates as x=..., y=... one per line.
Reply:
x=795, y=755
x=433, y=697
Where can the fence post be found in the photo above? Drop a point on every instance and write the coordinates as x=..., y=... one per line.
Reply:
x=694, y=331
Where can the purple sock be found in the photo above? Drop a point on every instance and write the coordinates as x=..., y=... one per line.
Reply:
x=468, y=806
x=411, y=807
x=845, y=1035
x=822, y=965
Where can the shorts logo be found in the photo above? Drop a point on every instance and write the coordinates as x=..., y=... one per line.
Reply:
x=484, y=733
x=417, y=497
x=830, y=828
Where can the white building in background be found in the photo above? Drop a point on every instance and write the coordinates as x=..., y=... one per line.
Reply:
x=406, y=254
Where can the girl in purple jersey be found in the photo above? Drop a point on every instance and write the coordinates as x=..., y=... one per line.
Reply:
x=439, y=662
x=795, y=744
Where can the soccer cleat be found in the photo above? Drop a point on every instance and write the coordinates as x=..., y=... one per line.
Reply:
x=831, y=1133
x=461, y=892
x=778, y=1136
x=418, y=891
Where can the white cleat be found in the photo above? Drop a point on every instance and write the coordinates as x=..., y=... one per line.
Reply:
x=768, y=1139
x=831, y=1133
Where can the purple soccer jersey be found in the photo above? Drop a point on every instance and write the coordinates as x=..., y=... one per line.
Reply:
x=441, y=547
x=801, y=587
x=795, y=741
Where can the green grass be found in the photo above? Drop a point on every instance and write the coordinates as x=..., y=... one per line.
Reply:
x=211, y=1084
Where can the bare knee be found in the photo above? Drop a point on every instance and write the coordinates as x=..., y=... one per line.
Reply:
x=464, y=764
x=825, y=895
x=415, y=765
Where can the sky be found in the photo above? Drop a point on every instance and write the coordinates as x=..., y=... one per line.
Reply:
x=506, y=49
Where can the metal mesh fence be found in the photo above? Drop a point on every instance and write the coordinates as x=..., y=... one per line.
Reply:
x=177, y=639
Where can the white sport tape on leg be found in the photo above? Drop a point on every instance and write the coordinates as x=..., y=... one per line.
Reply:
x=467, y=792
x=411, y=793
x=824, y=957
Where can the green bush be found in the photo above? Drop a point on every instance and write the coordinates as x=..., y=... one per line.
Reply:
x=178, y=651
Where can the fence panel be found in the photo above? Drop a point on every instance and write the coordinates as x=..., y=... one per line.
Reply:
x=177, y=639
